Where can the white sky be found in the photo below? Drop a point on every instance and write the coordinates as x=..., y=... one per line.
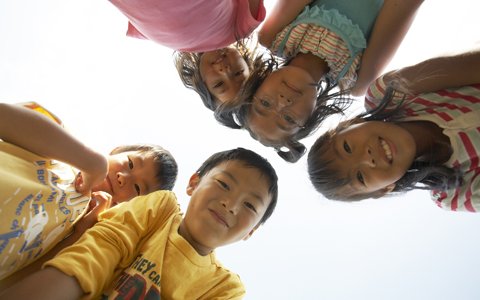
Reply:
x=73, y=57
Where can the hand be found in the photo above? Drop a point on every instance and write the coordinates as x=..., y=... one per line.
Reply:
x=99, y=202
x=85, y=181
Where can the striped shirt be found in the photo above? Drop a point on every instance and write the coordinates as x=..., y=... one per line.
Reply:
x=322, y=42
x=457, y=112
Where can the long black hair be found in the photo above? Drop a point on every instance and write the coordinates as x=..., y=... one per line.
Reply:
x=328, y=103
x=420, y=175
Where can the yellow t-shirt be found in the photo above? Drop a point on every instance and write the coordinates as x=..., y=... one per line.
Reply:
x=38, y=206
x=135, y=252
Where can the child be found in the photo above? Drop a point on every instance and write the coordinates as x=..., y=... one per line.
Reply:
x=425, y=133
x=145, y=248
x=204, y=31
x=217, y=76
x=325, y=42
x=40, y=205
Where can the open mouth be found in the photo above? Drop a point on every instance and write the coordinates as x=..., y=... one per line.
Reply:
x=221, y=54
x=387, y=149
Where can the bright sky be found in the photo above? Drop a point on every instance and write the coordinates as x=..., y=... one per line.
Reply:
x=73, y=58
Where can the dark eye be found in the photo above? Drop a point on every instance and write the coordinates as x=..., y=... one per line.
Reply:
x=264, y=103
x=347, y=147
x=137, y=189
x=360, y=178
x=223, y=185
x=218, y=84
x=130, y=163
x=238, y=73
x=289, y=119
x=250, y=206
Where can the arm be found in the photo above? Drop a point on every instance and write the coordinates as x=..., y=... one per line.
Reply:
x=99, y=202
x=33, y=287
x=390, y=28
x=284, y=12
x=36, y=133
x=439, y=73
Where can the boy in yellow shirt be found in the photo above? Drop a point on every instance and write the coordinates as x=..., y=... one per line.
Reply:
x=146, y=249
x=42, y=171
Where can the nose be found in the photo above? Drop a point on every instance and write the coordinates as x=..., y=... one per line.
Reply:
x=122, y=178
x=222, y=67
x=230, y=206
x=283, y=101
x=368, y=158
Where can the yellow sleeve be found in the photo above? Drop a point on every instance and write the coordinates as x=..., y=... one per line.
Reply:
x=113, y=242
x=42, y=110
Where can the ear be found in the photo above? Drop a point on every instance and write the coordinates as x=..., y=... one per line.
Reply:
x=193, y=183
x=251, y=232
x=382, y=192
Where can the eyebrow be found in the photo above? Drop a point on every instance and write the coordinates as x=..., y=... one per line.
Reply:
x=258, y=111
x=261, y=113
x=255, y=195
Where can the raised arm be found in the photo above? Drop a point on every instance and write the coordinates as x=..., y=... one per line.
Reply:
x=439, y=73
x=391, y=26
x=36, y=133
x=284, y=12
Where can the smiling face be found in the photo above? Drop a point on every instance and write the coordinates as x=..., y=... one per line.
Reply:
x=373, y=155
x=226, y=205
x=282, y=104
x=223, y=72
x=130, y=174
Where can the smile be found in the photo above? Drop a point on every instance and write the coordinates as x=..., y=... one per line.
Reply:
x=220, y=219
x=387, y=150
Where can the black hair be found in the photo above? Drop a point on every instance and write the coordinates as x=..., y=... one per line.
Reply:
x=250, y=159
x=327, y=103
x=165, y=164
x=420, y=175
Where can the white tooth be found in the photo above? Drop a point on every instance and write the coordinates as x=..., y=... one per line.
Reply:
x=386, y=148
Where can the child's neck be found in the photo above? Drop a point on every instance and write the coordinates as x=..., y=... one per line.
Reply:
x=432, y=144
x=201, y=249
x=314, y=65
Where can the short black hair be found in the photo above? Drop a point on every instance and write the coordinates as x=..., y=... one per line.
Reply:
x=165, y=164
x=251, y=159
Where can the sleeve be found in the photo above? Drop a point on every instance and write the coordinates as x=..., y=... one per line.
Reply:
x=42, y=110
x=112, y=242
x=132, y=31
x=377, y=91
x=464, y=198
x=245, y=22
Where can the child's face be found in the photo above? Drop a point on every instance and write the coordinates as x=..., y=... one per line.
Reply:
x=224, y=72
x=226, y=205
x=282, y=104
x=373, y=155
x=130, y=174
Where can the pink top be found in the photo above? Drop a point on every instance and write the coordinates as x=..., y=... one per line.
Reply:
x=190, y=25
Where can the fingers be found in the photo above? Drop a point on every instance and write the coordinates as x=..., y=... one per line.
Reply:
x=85, y=182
